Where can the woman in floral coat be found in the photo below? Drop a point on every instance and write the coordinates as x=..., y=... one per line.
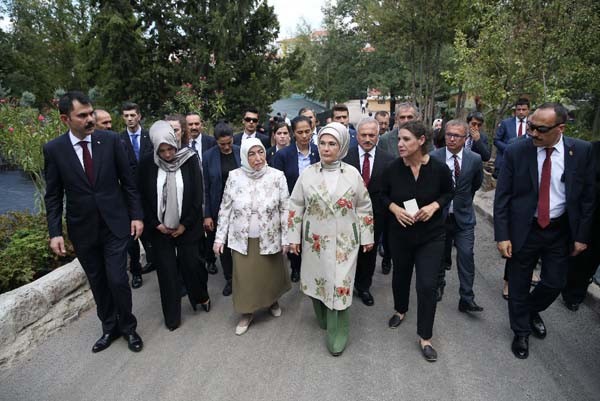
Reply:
x=331, y=216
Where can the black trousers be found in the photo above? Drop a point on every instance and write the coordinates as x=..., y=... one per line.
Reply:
x=206, y=251
x=133, y=250
x=225, y=257
x=104, y=260
x=552, y=245
x=385, y=241
x=426, y=260
x=295, y=261
x=175, y=260
x=365, y=265
x=581, y=269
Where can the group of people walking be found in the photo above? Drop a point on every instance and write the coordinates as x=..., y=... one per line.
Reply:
x=324, y=199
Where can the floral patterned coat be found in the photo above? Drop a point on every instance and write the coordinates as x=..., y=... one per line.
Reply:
x=236, y=208
x=331, y=229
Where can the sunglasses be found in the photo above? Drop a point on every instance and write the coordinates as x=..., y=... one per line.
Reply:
x=542, y=129
x=251, y=120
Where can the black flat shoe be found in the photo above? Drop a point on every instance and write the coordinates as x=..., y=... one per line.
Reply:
x=134, y=341
x=104, y=342
x=386, y=266
x=366, y=297
x=505, y=296
x=227, y=289
x=520, y=347
x=136, y=281
x=295, y=276
x=206, y=306
x=572, y=306
x=439, y=294
x=171, y=328
x=212, y=268
x=395, y=321
x=538, y=328
x=471, y=306
x=428, y=352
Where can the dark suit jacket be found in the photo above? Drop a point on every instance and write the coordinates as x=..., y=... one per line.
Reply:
x=286, y=160
x=270, y=154
x=505, y=132
x=237, y=139
x=517, y=191
x=145, y=147
x=207, y=142
x=482, y=148
x=469, y=181
x=191, y=204
x=213, y=185
x=382, y=161
x=113, y=197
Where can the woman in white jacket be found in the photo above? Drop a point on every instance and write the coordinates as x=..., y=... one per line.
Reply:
x=253, y=222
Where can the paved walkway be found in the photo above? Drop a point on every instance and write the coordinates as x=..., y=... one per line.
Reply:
x=287, y=359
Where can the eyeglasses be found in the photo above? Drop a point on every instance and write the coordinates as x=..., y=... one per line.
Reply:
x=455, y=136
x=542, y=129
x=253, y=120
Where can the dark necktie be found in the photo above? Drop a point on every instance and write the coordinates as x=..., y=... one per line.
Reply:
x=88, y=165
x=544, y=193
x=456, y=168
x=520, y=127
x=136, y=145
x=194, y=146
x=366, y=170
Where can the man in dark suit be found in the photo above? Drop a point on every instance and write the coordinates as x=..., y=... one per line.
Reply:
x=217, y=162
x=103, y=120
x=544, y=207
x=103, y=212
x=250, y=122
x=508, y=129
x=467, y=174
x=341, y=114
x=371, y=162
x=137, y=144
x=477, y=140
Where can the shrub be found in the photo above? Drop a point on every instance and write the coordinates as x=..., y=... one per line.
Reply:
x=24, y=251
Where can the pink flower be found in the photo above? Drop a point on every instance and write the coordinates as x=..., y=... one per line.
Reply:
x=11, y=129
x=3, y=100
x=41, y=118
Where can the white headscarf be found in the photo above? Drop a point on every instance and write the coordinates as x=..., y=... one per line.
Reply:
x=341, y=135
x=248, y=144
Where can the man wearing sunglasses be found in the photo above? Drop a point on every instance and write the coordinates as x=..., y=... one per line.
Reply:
x=509, y=129
x=477, y=140
x=250, y=122
x=544, y=208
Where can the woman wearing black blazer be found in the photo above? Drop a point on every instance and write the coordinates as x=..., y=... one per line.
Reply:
x=171, y=191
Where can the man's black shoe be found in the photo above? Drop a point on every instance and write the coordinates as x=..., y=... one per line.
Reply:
x=366, y=297
x=104, y=342
x=211, y=267
x=227, y=289
x=134, y=341
x=136, y=281
x=386, y=265
x=572, y=306
x=295, y=276
x=148, y=268
x=470, y=306
x=520, y=347
x=538, y=328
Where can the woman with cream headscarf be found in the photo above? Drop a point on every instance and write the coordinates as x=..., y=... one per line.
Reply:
x=171, y=192
x=253, y=223
x=330, y=216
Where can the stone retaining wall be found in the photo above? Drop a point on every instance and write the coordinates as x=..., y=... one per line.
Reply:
x=31, y=313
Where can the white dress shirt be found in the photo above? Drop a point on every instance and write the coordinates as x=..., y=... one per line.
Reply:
x=78, y=151
x=450, y=164
x=558, y=196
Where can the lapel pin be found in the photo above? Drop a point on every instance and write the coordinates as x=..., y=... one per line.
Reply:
x=98, y=142
x=570, y=152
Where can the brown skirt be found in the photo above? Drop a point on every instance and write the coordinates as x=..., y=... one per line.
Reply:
x=258, y=280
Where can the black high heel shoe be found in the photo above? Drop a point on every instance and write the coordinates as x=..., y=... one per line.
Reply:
x=206, y=306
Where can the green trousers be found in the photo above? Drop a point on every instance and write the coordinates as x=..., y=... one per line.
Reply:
x=337, y=324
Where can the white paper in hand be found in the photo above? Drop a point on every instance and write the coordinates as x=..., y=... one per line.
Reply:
x=411, y=206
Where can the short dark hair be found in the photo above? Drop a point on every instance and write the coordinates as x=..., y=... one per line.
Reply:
x=305, y=109
x=65, y=104
x=522, y=101
x=223, y=129
x=340, y=107
x=382, y=113
x=299, y=119
x=194, y=113
x=560, y=111
x=418, y=129
x=281, y=124
x=475, y=115
x=250, y=109
x=130, y=106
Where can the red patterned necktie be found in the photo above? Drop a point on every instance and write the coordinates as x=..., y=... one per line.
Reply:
x=456, y=168
x=544, y=193
x=520, y=127
x=366, y=170
x=88, y=165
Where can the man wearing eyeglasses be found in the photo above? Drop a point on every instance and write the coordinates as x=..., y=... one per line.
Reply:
x=514, y=127
x=477, y=140
x=405, y=112
x=250, y=122
x=467, y=174
x=544, y=208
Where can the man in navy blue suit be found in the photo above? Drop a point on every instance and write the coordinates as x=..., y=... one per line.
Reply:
x=103, y=212
x=467, y=174
x=509, y=129
x=544, y=208
x=250, y=122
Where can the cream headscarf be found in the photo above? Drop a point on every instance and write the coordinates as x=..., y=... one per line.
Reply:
x=248, y=144
x=162, y=132
x=340, y=133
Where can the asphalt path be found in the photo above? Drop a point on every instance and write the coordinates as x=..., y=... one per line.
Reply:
x=286, y=358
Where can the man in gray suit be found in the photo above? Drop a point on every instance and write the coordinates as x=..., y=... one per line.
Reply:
x=467, y=173
x=405, y=112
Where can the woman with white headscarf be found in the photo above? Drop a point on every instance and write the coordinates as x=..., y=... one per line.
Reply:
x=253, y=223
x=171, y=192
x=330, y=216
